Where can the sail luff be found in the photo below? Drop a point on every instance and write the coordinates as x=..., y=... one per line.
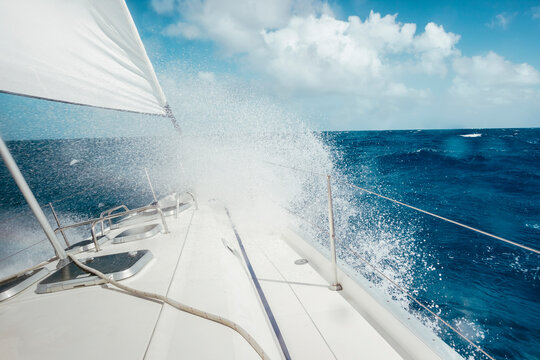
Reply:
x=85, y=52
x=150, y=69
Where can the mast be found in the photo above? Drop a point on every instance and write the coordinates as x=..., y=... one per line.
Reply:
x=32, y=202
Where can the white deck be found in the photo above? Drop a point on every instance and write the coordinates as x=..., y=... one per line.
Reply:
x=192, y=265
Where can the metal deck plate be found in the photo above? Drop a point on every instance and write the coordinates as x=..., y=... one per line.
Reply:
x=85, y=245
x=120, y=266
x=137, y=233
x=15, y=285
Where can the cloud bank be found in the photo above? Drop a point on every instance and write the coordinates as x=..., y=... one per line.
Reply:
x=300, y=48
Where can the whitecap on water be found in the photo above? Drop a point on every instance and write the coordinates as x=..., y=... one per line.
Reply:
x=471, y=135
x=533, y=226
x=73, y=162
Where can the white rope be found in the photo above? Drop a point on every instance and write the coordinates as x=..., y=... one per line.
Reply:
x=177, y=305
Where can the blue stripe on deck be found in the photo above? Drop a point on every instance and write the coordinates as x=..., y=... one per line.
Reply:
x=260, y=291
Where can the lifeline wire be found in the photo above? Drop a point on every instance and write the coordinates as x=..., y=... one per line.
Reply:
x=405, y=292
x=445, y=219
x=43, y=207
x=415, y=208
x=422, y=305
x=52, y=202
x=21, y=250
x=191, y=310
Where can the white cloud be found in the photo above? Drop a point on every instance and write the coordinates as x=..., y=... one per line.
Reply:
x=317, y=53
x=206, y=76
x=163, y=6
x=324, y=53
x=434, y=45
x=502, y=20
x=373, y=67
x=187, y=31
x=493, y=79
x=303, y=46
x=535, y=12
x=235, y=27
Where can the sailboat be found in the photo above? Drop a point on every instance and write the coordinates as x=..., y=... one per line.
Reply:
x=178, y=278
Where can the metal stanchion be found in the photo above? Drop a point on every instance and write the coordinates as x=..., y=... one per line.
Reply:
x=59, y=226
x=335, y=285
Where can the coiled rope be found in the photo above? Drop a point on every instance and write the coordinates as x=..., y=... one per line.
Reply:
x=175, y=304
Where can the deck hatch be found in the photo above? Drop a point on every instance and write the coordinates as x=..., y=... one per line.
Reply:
x=137, y=233
x=120, y=266
x=13, y=286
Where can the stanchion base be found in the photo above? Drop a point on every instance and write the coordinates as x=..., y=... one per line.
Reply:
x=335, y=287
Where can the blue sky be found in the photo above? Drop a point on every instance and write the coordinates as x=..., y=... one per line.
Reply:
x=343, y=65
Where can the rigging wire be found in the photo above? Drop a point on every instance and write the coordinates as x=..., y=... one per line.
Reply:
x=421, y=304
x=21, y=250
x=510, y=242
x=445, y=219
x=4, y=221
x=408, y=294
x=53, y=202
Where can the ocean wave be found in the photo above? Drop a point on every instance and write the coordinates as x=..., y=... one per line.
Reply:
x=533, y=226
x=471, y=135
x=427, y=150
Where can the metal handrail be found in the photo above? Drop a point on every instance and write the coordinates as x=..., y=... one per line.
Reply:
x=93, y=222
x=194, y=200
x=109, y=212
x=134, y=211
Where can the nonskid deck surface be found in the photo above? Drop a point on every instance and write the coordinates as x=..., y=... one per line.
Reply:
x=200, y=264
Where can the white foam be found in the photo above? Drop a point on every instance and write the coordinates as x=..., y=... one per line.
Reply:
x=73, y=162
x=471, y=135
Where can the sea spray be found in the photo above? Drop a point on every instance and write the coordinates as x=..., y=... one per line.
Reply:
x=270, y=169
x=232, y=140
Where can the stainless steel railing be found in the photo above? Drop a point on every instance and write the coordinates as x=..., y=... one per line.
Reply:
x=109, y=212
x=109, y=217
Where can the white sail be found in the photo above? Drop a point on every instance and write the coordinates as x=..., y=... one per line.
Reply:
x=77, y=51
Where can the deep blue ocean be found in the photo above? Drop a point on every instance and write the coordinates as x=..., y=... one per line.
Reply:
x=488, y=179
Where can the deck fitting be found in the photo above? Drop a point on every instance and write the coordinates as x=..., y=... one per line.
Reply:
x=335, y=287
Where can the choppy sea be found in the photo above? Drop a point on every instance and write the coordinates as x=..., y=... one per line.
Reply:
x=488, y=179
